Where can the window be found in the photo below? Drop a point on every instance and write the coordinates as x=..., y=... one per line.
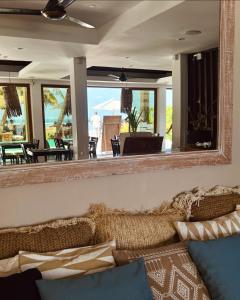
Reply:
x=57, y=114
x=144, y=100
x=104, y=116
x=15, y=120
x=169, y=119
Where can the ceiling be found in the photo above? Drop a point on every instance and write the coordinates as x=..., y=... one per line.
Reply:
x=130, y=34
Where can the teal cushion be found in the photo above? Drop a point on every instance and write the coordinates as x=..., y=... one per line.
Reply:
x=128, y=282
x=218, y=262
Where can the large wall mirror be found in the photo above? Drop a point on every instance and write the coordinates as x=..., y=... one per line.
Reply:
x=164, y=110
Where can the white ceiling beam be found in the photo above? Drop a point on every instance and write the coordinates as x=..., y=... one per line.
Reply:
x=138, y=14
x=24, y=73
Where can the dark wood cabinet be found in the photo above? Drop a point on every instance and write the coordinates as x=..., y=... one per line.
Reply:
x=203, y=97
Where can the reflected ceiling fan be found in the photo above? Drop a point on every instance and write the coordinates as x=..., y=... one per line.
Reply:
x=122, y=77
x=54, y=10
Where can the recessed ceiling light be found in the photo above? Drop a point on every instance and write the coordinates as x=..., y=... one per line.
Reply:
x=193, y=32
x=92, y=5
x=20, y=48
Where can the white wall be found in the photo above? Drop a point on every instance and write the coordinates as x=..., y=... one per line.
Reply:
x=28, y=204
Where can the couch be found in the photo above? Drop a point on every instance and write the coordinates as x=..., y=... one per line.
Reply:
x=149, y=235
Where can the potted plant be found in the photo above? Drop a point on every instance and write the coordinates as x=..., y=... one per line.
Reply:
x=134, y=120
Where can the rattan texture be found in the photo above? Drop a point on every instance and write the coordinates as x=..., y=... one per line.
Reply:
x=52, y=236
x=135, y=230
x=211, y=207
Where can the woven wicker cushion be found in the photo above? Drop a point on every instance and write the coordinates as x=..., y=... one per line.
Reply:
x=170, y=270
x=135, y=230
x=212, y=207
x=52, y=236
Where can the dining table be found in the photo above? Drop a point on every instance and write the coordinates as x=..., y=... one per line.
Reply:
x=60, y=153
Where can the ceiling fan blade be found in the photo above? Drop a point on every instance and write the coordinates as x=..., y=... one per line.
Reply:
x=65, y=3
x=79, y=22
x=51, y=5
x=20, y=11
x=113, y=76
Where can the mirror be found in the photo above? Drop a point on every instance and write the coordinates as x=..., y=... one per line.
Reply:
x=160, y=97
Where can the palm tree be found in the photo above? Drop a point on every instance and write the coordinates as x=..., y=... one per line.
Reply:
x=50, y=98
x=3, y=107
x=22, y=98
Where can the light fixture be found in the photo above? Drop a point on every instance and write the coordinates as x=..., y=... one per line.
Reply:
x=123, y=77
x=92, y=5
x=20, y=48
x=198, y=56
x=181, y=38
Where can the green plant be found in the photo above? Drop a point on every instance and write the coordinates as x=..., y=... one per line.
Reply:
x=134, y=120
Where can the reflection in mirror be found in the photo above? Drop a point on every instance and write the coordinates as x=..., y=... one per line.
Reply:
x=160, y=96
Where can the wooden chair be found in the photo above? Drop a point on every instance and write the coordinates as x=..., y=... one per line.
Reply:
x=115, y=147
x=60, y=143
x=36, y=143
x=7, y=156
x=93, y=141
x=26, y=156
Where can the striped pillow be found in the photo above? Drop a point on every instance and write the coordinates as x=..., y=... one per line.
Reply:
x=9, y=266
x=209, y=230
x=70, y=262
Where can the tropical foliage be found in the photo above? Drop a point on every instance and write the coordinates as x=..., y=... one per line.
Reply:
x=51, y=96
x=169, y=113
x=22, y=91
x=134, y=120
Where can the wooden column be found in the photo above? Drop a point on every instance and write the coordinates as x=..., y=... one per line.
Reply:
x=78, y=81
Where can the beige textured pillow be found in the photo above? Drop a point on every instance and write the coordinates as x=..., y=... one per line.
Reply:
x=9, y=266
x=70, y=262
x=46, y=237
x=209, y=230
x=135, y=230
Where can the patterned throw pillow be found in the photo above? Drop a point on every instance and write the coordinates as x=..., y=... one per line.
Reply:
x=171, y=273
x=209, y=230
x=70, y=262
x=9, y=266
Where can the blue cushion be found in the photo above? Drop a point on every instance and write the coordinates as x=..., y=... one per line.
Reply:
x=218, y=262
x=128, y=282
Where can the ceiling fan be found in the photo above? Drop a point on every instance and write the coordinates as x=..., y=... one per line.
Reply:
x=122, y=77
x=54, y=10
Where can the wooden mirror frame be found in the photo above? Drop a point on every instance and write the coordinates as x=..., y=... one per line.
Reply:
x=75, y=170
